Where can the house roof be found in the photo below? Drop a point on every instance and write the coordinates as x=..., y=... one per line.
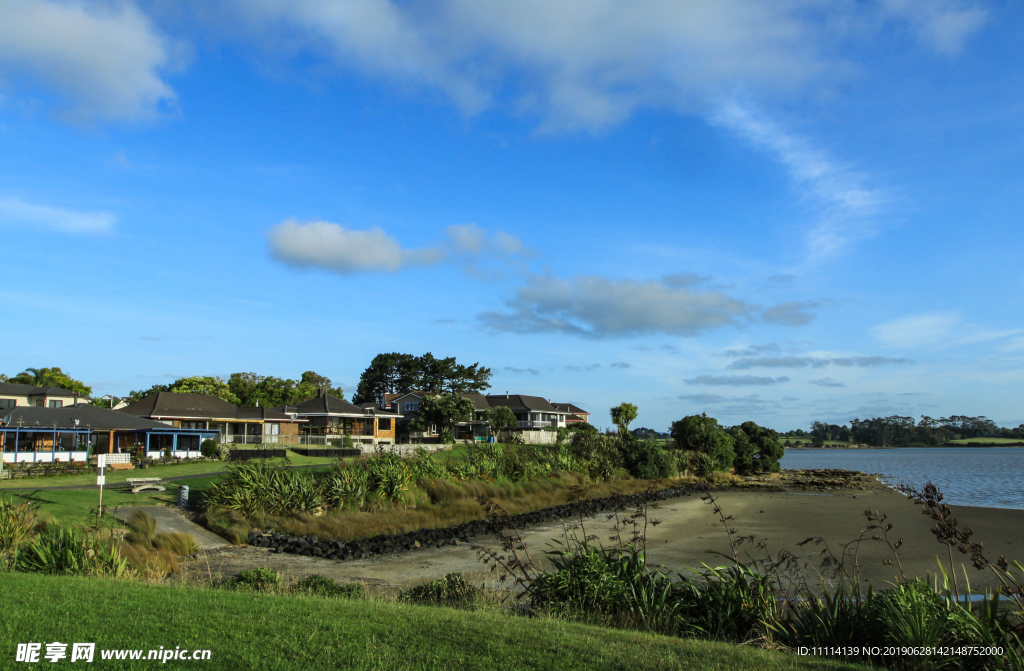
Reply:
x=327, y=404
x=266, y=414
x=9, y=389
x=169, y=405
x=569, y=407
x=521, y=402
x=88, y=416
x=479, y=401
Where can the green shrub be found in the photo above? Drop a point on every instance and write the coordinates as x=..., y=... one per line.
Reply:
x=262, y=579
x=452, y=591
x=210, y=449
x=346, y=442
x=644, y=459
x=446, y=437
x=317, y=585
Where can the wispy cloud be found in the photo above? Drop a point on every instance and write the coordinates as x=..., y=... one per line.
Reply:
x=621, y=365
x=813, y=362
x=583, y=369
x=847, y=209
x=827, y=382
x=736, y=380
x=320, y=244
x=520, y=371
x=752, y=350
x=15, y=212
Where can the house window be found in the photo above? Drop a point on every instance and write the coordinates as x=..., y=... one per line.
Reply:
x=412, y=407
x=384, y=424
x=433, y=428
x=272, y=429
x=6, y=403
x=56, y=404
x=193, y=425
x=38, y=403
x=533, y=417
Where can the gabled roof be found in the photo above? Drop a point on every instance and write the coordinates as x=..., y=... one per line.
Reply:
x=9, y=389
x=168, y=405
x=521, y=402
x=570, y=408
x=479, y=401
x=88, y=416
x=330, y=405
x=266, y=414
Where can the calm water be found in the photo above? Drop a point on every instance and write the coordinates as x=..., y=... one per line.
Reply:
x=992, y=477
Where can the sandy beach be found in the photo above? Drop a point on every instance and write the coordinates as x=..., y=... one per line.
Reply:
x=688, y=535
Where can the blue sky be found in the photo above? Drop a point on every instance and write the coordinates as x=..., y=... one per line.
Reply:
x=773, y=211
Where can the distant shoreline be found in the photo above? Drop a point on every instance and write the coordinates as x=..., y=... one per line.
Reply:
x=894, y=447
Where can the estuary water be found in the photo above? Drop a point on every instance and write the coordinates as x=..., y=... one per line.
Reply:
x=991, y=477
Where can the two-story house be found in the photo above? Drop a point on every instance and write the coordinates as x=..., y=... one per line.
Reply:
x=26, y=395
x=532, y=412
x=333, y=418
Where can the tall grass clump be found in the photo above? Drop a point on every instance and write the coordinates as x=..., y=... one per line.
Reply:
x=61, y=550
x=152, y=553
x=17, y=522
x=452, y=591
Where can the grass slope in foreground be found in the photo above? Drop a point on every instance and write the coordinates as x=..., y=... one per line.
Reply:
x=256, y=631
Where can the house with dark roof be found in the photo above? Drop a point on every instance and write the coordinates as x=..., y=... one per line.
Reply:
x=76, y=432
x=333, y=418
x=408, y=406
x=234, y=425
x=26, y=395
x=532, y=412
x=576, y=415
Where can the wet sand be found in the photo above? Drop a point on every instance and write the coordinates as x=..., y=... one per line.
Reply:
x=688, y=535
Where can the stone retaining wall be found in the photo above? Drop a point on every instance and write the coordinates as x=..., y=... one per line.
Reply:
x=311, y=546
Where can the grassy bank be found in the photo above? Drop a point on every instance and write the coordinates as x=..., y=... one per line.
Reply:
x=170, y=471
x=444, y=503
x=254, y=631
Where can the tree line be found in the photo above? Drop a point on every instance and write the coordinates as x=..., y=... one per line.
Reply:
x=899, y=430
x=395, y=373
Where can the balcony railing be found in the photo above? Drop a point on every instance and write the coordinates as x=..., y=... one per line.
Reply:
x=336, y=431
x=538, y=424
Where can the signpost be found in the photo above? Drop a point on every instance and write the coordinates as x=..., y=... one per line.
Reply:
x=101, y=463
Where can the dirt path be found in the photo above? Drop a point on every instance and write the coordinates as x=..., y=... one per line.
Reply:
x=170, y=519
x=687, y=535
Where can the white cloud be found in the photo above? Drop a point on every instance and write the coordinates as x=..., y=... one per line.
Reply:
x=321, y=244
x=104, y=59
x=918, y=330
x=591, y=64
x=598, y=307
x=15, y=212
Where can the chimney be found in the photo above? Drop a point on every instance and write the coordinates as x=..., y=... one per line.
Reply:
x=506, y=394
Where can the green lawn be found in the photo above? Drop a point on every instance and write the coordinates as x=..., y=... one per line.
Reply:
x=250, y=631
x=114, y=477
x=78, y=506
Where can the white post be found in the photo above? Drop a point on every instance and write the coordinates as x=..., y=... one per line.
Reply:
x=101, y=462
